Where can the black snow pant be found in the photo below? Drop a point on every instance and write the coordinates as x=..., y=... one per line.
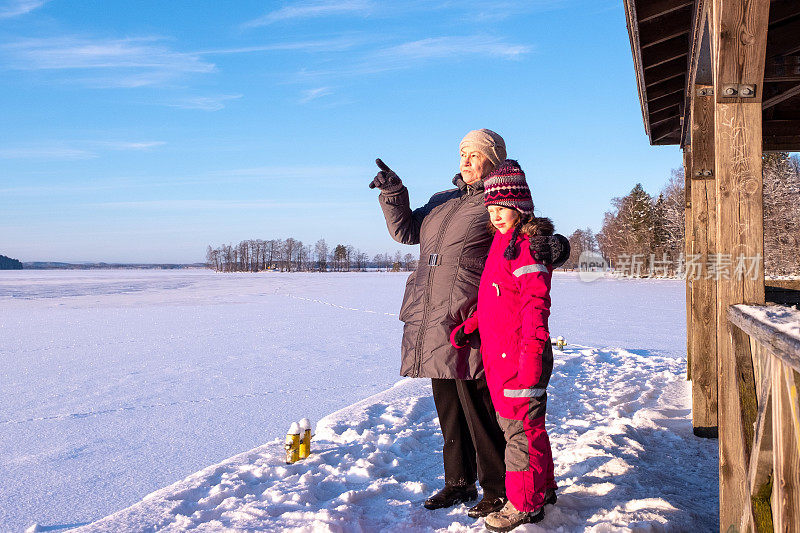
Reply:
x=474, y=444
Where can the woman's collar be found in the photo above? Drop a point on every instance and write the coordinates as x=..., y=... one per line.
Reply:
x=475, y=187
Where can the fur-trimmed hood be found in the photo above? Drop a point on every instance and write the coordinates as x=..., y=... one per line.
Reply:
x=541, y=226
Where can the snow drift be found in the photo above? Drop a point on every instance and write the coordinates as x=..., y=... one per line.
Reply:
x=626, y=460
x=117, y=383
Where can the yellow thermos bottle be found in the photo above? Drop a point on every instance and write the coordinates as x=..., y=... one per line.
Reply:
x=293, y=444
x=305, y=438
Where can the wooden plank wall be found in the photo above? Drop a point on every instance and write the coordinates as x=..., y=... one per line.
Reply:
x=739, y=45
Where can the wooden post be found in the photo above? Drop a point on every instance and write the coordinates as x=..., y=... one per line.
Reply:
x=687, y=250
x=703, y=290
x=739, y=35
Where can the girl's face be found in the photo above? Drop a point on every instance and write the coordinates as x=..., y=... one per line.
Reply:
x=503, y=218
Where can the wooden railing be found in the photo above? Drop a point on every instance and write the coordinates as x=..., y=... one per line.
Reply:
x=767, y=369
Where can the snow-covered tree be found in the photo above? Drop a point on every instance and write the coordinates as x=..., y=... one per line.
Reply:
x=629, y=228
x=781, y=214
x=581, y=240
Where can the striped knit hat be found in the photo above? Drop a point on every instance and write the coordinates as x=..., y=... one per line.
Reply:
x=506, y=186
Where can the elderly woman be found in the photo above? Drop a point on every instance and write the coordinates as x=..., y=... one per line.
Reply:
x=451, y=230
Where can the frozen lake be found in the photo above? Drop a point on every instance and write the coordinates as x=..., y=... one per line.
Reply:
x=117, y=383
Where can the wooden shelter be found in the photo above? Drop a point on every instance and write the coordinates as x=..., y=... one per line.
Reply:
x=721, y=78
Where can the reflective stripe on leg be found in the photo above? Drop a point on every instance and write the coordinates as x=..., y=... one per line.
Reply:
x=533, y=392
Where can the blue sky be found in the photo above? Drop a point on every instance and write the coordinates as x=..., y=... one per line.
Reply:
x=144, y=131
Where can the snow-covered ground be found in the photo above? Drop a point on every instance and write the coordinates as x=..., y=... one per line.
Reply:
x=118, y=383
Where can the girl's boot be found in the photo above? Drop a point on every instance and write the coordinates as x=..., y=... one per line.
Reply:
x=509, y=518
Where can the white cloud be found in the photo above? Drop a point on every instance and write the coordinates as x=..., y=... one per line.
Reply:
x=324, y=45
x=205, y=103
x=318, y=8
x=136, y=146
x=313, y=94
x=132, y=62
x=496, y=10
x=481, y=11
x=46, y=152
x=73, y=150
x=447, y=47
x=15, y=8
x=415, y=53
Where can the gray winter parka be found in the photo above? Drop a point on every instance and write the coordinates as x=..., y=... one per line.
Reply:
x=451, y=230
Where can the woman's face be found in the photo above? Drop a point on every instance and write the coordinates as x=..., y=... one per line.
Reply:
x=474, y=166
x=503, y=218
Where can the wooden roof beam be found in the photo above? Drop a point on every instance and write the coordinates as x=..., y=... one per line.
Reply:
x=782, y=78
x=666, y=28
x=782, y=128
x=699, y=66
x=783, y=111
x=666, y=71
x=782, y=97
x=662, y=120
x=782, y=68
x=781, y=10
x=666, y=129
x=666, y=102
x=783, y=39
x=675, y=85
x=782, y=144
x=636, y=51
x=782, y=135
x=673, y=138
x=649, y=9
x=665, y=114
x=664, y=52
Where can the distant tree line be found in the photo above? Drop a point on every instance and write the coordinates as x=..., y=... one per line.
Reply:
x=638, y=224
x=291, y=255
x=6, y=263
x=648, y=226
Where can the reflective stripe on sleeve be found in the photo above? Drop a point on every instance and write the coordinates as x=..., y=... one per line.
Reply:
x=533, y=392
x=529, y=269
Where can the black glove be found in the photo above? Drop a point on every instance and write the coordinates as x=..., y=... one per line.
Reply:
x=466, y=334
x=552, y=250
x=467, y=339
x=386, y=180
x=461, y=338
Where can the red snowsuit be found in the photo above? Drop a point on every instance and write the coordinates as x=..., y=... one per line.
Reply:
x=512, y=313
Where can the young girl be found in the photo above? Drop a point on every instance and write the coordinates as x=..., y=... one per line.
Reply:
x=512, y=312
